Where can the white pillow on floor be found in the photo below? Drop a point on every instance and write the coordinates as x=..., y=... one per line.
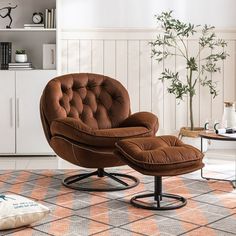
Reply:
x=17, y=211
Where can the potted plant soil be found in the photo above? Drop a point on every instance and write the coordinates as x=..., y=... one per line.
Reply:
x=173, y=38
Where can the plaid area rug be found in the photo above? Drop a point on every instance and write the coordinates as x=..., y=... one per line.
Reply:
x=211, y=207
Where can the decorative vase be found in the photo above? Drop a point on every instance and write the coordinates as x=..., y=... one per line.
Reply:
x=229, y=115
x=21, y=58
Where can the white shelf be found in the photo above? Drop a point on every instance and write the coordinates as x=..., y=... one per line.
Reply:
x=36, y=69
x=27, y=30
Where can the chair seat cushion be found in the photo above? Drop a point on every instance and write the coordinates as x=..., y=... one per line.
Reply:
x=78, y=132
x=159, y=156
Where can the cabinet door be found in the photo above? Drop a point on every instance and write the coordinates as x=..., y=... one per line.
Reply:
x=30, y=138
x=7, y=112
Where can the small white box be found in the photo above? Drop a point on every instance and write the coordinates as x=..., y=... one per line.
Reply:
x=49, y=56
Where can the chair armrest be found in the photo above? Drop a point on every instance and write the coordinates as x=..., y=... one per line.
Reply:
x=146, y=119
x=69, y=127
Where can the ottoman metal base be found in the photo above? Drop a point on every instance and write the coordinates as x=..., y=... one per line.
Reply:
x=73, y=181
x=158, y=197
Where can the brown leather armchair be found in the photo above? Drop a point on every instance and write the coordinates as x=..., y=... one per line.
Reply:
x=83, y=116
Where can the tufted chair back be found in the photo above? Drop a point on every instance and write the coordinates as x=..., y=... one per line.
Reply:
x=98, y=101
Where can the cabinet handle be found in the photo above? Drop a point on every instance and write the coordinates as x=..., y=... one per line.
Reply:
x=52, y=56
x=18, y=112
x=11, y=112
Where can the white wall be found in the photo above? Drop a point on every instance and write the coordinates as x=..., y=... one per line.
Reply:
x=139, y=13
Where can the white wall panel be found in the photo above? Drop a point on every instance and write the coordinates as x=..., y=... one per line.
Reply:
x=217, y=102
x=97, y=56
x=122, y=61
x=85, y=55
x=125, y=55
x=157, y=92
x=145, y=97
x=169, y=99
x=134, y=74
x=181, y=106
x=229, y=72
x=110, y=58
x=193, y=50
x=73, y=59
x=205, y=97
x=64, y=56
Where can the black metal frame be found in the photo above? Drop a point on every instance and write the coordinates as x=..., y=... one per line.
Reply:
x=158, y=196
x=69, y=181
x=233, y=182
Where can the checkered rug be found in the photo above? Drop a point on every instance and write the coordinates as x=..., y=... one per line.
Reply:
x=211, y=207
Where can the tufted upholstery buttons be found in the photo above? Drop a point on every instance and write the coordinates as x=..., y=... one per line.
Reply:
x=98, y=101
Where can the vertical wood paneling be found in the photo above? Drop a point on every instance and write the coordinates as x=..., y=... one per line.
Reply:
x=205, y=97
x=97, y=56
x=169, y=99
x=133, y=74
x=73, y=58
x=128, y=60
x=193, y=50
x=181, y=106
x=85, y=55
x=145, y=97
x=64, y=56
x=229, y=88
x=158, y=92
x=110, y=58
x=122, y=61
x=217, y=102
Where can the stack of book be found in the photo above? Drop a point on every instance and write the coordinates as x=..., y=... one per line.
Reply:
x=34, y=26
x=5, y=54
x=50, y=18
x=20, y=66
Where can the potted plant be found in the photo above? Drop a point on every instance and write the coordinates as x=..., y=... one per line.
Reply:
x=21, y=56
x=174, y=35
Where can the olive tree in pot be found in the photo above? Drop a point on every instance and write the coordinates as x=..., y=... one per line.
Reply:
x=173, y=38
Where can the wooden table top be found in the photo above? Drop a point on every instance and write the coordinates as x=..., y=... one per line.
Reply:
x=214, y=136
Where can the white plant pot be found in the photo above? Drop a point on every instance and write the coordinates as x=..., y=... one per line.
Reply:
x=21, y=58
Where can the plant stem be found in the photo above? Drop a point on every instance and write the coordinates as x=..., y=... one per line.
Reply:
x=191, y=100
x=191, y=112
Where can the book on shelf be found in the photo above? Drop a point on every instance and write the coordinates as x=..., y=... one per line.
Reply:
x=15, y=68
x=34, y=26
x=5, y=54
x=20, y=66
x=50, y=18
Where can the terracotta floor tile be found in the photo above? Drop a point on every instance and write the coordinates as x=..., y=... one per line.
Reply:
x=73, y=225
x=202, y=231
x=227, y=224
x=159, y=225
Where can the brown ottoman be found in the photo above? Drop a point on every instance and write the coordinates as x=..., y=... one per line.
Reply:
x=159, y=156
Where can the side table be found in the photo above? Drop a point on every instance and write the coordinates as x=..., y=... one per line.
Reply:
x=213, y=136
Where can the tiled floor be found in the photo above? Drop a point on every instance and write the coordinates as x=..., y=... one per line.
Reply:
x=211, y=208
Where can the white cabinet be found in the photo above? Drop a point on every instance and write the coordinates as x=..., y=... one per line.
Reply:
x=7, y=112
x=21, y=130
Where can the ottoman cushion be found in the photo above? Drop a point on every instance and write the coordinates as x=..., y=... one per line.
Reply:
x=159, y=156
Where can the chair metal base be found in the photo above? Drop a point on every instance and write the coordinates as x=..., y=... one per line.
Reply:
x=158, y=197
x=73, y=181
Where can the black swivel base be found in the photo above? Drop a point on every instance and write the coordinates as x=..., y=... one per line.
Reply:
x=74, y=181
x=158, y=197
